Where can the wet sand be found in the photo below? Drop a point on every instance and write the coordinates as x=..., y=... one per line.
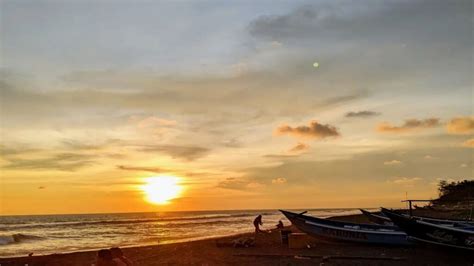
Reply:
x=268, y=250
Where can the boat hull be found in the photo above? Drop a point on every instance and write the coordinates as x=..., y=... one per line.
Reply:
x=370, y=234
x=377, y=219
x=433, y=233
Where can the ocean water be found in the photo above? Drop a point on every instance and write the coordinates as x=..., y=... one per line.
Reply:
x=46, y=234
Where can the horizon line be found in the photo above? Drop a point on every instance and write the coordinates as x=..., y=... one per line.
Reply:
x=217, y=210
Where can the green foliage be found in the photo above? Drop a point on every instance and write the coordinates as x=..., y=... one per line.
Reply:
x=456, y=191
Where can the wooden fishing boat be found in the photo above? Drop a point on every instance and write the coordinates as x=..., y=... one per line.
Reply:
x=382, y=219
x=439, y=234
x=336, y=230
x=446, y=222
x=377, y=218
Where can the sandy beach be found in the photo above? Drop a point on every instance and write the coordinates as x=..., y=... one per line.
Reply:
x=268, y=250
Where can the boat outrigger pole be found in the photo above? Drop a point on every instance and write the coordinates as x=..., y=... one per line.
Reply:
x=412, y=200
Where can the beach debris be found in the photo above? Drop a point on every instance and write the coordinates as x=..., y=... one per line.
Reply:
x=243, y=242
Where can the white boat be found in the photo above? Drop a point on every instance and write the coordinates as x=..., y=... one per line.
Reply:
x=336, y=230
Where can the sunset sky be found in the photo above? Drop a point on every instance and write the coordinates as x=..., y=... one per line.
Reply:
x=97, y=97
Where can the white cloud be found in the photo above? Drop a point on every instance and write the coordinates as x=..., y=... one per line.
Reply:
x=405, y=181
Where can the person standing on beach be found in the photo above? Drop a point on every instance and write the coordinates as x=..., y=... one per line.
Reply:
x=280, y=225
x=257, y=222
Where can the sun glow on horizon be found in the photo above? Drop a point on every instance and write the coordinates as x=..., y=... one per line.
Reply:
x=161, y=189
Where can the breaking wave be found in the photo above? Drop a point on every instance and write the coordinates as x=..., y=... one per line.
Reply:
x=17, y=238
x=180, y=220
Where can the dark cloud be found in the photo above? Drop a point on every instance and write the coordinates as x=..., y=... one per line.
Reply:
x=349, y=20
x=281, y=156
x=369, y=42
x=313, y=130
x=280, y=27
x=41, y=187
x=142, y=169
x=461, y=125
x=16, y=150
x=183, y=152
x=299, y=147
x=158, y=170
x=340, y=98
x=75, y=145
x=409, y=125
x=362, y=114
x=61, y=162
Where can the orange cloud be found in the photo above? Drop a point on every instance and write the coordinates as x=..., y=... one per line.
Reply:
x=409, y=125
x=461, y=125
x=469, y=143
x=392, y=162
x=239, y=184
x=313, y=130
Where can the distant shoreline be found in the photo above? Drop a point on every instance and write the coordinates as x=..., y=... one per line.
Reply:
x=197, y=211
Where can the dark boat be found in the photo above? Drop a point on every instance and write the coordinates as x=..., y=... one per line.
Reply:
x=382, y=219
x=336, y=230
x=377, y=218
x=446, y=222
x=440, y=234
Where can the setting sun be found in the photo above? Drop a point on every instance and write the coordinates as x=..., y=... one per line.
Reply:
x=161, y=189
